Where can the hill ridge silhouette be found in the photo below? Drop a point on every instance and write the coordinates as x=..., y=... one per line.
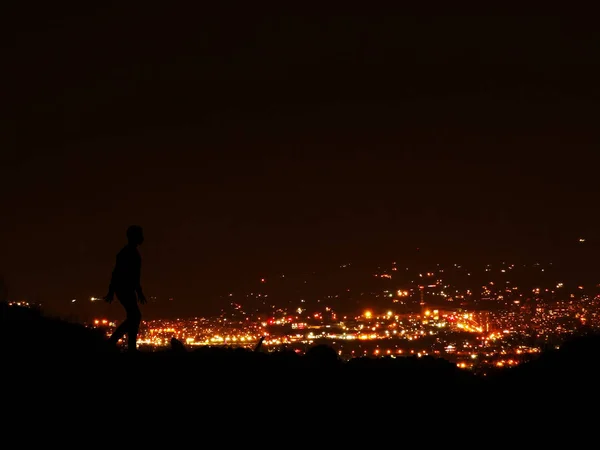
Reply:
x=59, y=355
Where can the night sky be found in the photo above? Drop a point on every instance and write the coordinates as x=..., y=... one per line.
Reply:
x=248, y=142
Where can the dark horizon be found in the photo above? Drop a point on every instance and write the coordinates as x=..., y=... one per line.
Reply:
x=248, y=144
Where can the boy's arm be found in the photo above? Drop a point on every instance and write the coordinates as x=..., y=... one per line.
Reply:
x=140, y=294
x=111, y=291
x=138, y=285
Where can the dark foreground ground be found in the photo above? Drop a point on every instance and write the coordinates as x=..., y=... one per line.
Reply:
x=59, y=374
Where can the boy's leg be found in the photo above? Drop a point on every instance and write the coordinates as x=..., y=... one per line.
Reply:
x=134, y=317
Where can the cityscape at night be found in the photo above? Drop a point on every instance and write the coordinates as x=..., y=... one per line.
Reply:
x=520, y=312
x=274, y=222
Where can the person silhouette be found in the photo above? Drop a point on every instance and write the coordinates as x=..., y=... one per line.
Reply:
x=125, y=283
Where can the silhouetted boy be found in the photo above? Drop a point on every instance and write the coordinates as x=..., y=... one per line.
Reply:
x=125, y=282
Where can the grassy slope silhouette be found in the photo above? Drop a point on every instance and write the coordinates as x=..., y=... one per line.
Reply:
x=70, y=358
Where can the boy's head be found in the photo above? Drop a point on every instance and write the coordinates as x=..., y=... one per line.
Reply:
x=135, y=235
